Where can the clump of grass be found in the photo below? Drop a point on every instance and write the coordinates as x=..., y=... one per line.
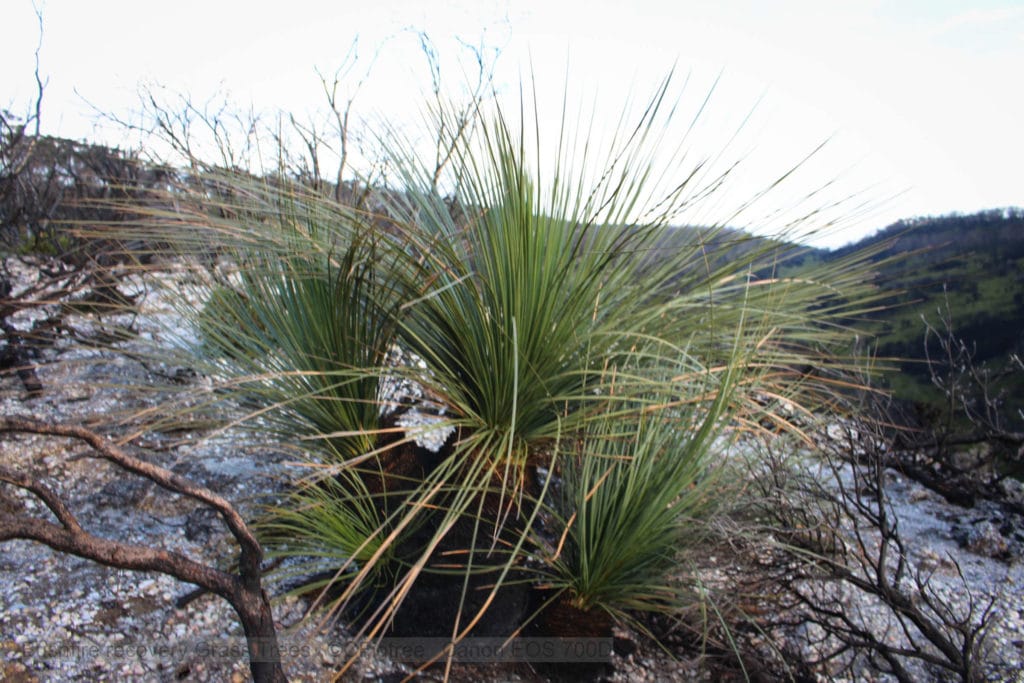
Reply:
x=306, y=334
x=634, y=494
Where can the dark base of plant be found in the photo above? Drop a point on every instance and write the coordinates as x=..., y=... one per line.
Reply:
x=432, y=607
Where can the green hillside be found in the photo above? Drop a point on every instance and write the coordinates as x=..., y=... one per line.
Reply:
x=968, y=269
x=964, y=268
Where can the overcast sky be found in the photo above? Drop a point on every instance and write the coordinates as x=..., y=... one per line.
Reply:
x=919, y=98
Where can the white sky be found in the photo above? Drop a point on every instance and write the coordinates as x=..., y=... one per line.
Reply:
x=919, y=98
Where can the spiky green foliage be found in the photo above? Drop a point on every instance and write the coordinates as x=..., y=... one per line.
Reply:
x=564, y=326
x=635, y=490
x=306, y=334
x=333, y=525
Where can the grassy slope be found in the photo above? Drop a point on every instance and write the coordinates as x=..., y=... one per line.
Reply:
x=970, y=268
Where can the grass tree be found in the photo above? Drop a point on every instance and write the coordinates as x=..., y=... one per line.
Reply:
x=589, y=359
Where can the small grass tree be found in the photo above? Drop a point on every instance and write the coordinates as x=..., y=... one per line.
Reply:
x=588, y=358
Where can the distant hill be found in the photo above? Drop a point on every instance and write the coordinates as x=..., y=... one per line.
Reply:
x=969, y=267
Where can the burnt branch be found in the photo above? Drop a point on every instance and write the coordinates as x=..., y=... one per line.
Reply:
x=243, y=590
x=965, y=448
x=972, y=390
x=843, y=539
x=40, y=82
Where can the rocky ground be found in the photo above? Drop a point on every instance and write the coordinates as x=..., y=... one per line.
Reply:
x=64, y=618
